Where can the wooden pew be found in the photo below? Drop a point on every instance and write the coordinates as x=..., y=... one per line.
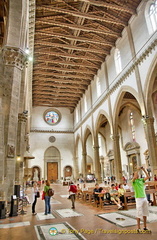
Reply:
x=131, y=194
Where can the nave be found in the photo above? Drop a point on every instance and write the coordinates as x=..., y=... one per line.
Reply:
x=87, y=223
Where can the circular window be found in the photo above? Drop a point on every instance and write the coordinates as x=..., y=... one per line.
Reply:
x=52, y=139
x=52, y=117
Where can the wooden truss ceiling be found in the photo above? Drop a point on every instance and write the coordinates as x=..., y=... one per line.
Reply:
x=72, y=39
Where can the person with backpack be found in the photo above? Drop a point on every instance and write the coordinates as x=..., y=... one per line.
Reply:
x=47, y=197
x=72, y=193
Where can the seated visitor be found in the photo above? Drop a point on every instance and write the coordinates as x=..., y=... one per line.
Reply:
x=84, y=188
x=116, y=186
x=126, y=187
x=96, y=191
x=121, y=192
x=114, y=196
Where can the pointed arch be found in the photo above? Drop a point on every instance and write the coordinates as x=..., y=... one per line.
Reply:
x=120, y=95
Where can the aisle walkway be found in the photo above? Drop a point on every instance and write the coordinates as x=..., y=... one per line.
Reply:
x=64, y=223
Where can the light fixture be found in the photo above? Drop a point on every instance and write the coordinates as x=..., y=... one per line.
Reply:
x=27, y=51
x=18, y=158
x=30, y=58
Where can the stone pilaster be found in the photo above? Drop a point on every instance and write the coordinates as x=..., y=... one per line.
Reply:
x=97, y=163
x=84, y=164
x=13, y=64
x=148, y=123
x=117, y=158
x=20, y=147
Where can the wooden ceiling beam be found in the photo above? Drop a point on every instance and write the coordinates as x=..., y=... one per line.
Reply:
x=73, y=56
x=82, y=28
x=75, y=38
x=78, y=27
x=56, y=95
x=68, y=63
x=59, y=69
x=63, y=85
x=62, y=75
x=72, y=99
x=58, y=89
x=46, y=104
x=110, y=6
x=50, y=80
x=38, y=44
x=78, y=14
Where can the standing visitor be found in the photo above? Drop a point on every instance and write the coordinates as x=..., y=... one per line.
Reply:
x=34, y=190
x=72, y=193
x=141, y=199
x=47, y=197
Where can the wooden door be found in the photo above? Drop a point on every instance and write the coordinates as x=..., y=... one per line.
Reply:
x=52, y=171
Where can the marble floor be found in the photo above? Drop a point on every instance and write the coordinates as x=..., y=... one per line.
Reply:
x=81, y=223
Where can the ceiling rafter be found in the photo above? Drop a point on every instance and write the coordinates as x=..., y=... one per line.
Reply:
x=63, y=85
x=72, y=40
x=78, y=27
x=79, y=14
x=69, y=63
x=96, y=58
x=59, y=89
x=57, y=94
x=69, y=46
x=110, y=6
x=60, y=75
x=70, y=37
x=47, y=80
x=59, y=69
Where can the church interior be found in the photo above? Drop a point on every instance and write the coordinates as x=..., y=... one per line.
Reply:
x=78, y=103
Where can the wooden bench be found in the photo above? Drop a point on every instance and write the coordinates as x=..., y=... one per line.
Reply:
x=131, y=194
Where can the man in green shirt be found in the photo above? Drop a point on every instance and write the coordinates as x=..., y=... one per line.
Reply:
x=140, y=196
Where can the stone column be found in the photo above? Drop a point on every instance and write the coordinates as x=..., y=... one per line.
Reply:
x=97, y=163
x=102, y=167
x=148, y=123
x=21, y=147
x=84, y=164
x=117, y=158
x=76, y=172
x=14, y=62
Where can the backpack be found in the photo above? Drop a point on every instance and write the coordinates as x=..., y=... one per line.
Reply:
x=50, y=192
x=73, y=188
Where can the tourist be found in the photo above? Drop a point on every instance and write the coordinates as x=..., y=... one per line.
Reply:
x=72, y=193
x=114, y=196
x=34, y=190
x=47, y=197
x=140, y=196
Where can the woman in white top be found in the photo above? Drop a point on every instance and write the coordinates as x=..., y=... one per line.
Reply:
x=34, y=190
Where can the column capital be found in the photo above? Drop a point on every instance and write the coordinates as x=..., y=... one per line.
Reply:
x=96, y=147
x=147, y=120
x=22, y=117
x=13, y=56
x=115, y=137
x=84, y=154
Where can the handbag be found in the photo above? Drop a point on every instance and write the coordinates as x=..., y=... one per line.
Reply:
x=43, y=195
x=38, y=194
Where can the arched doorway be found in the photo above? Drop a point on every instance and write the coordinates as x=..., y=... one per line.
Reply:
x=52, y=164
